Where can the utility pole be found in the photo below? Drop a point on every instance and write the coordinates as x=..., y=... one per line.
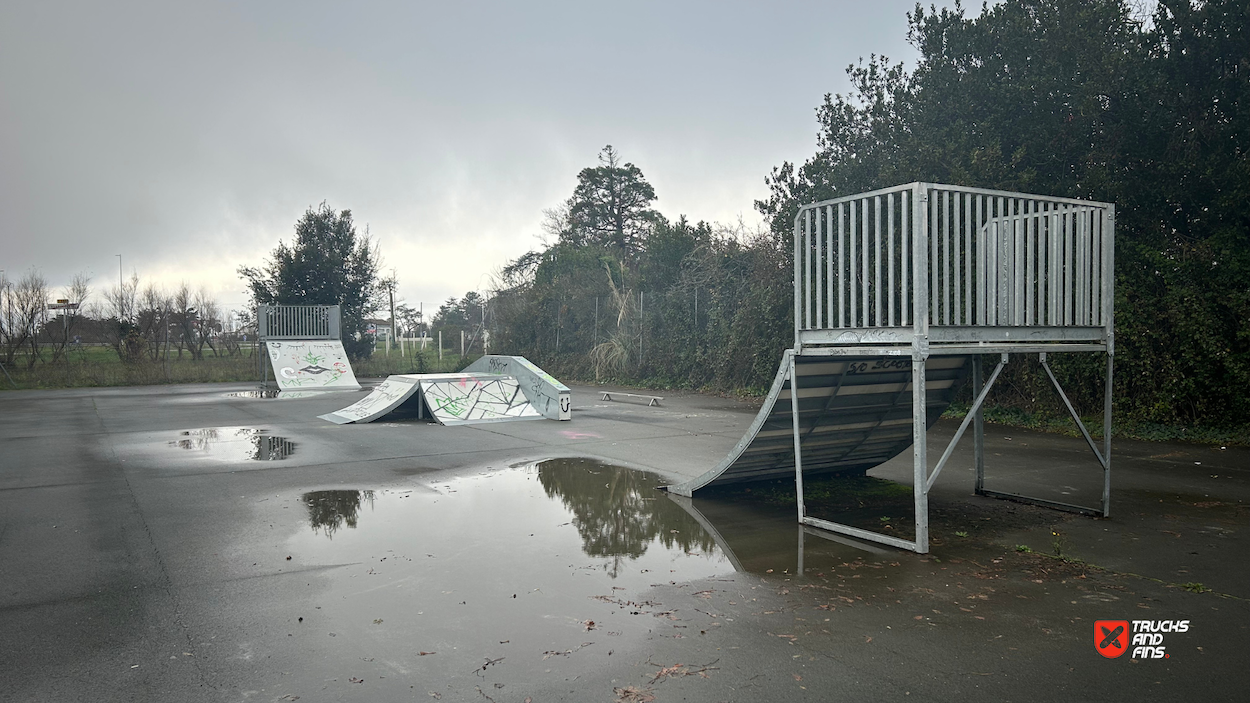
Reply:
x=392, y=332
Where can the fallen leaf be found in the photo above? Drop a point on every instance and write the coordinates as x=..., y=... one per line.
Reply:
x=630, y=694
x=425, y=654
x=356, y=680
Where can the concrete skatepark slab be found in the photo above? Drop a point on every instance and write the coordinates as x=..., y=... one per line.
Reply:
x=135, y=569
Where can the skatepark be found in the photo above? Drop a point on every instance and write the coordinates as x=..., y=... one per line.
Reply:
x=496, y=534
x=141, y=565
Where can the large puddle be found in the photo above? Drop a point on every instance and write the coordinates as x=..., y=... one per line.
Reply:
x=558, y=560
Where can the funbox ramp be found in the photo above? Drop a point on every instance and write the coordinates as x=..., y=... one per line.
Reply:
x=311, y=364
x=548, y=396
x=449, y=398
x=854, y=413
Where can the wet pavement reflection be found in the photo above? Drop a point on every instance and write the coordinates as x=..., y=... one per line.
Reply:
x=563, y=562
x=235, y=444
x=275, y=394
x=328, y=511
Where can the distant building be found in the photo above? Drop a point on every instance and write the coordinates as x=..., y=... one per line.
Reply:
x=380, y=329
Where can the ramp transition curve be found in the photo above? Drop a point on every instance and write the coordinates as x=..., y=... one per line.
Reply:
x=854, y=413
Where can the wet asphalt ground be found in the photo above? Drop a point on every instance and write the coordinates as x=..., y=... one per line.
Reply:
x=177, y=543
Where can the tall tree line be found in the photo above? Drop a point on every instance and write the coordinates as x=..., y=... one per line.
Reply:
x=1074, y=98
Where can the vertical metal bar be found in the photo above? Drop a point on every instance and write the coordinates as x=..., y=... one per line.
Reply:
x=841, y=265
x=1017, y=273
x=957, y=269
x=876, y=243
x=1095, y=268
x=851, y=278
x=1078, y=312
x=807, y=269
x=831, y=281
x=798, y=442
x=864, y=279
x=799, y=557
x=946, y=258
x=797, y=302
x=935, y=293
x=978, y=426
x=904, y=237
x=889, y=248
x=981, y=252
x=1069, y=266
x=1030, y=259
x=1053, y=252
x=820, y=271
x=920, y=454
x=969, y=285
x=920, y=261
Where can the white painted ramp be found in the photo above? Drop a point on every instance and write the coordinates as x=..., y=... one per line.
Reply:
x=311, y=365
x=388, y=395
x=464, y=398
x=449, y=398
x=548, y=396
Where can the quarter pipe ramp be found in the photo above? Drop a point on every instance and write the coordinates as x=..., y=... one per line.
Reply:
x=854, y=413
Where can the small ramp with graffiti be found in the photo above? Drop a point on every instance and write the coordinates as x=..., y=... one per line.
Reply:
x=447, y=398
x=463, y=398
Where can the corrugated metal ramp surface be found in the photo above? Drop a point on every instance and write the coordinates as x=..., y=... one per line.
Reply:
x=854, y=413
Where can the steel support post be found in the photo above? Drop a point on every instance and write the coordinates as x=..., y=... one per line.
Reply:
x=798, y=441
x=920, y=454
x=978, y=426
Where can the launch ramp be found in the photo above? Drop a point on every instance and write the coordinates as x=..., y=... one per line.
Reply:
x=898, y=294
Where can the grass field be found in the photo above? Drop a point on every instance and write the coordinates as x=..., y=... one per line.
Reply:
x=100, y=366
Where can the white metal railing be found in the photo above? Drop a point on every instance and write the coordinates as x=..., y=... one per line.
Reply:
x=929, y=254
x=298, y=322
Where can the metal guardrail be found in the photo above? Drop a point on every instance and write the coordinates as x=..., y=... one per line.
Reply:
x=278, y=322
x=926, y=254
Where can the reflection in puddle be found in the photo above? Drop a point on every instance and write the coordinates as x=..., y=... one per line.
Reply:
x=619, y=513
x=274, y=394
x=330, y=510
x=561, y=562
x=235, y=443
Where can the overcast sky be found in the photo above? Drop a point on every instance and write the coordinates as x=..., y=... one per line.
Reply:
x=189, y=138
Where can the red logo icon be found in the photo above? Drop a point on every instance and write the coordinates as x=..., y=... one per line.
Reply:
x=1111, y=637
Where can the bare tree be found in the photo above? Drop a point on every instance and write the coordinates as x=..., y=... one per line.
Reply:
x=209, y=323
x=25, y=308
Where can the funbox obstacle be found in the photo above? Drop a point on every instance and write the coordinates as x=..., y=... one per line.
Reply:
x=898, y=296
x=492, y=389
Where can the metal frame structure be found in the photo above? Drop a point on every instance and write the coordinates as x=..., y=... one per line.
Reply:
x=926, y=269
x=294, y=322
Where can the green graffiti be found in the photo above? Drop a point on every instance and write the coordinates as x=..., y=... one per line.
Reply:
x=453, y=406
x=312, y=358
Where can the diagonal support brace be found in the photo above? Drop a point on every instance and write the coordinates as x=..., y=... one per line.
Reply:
x=972, y=413
x=1072, y=411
